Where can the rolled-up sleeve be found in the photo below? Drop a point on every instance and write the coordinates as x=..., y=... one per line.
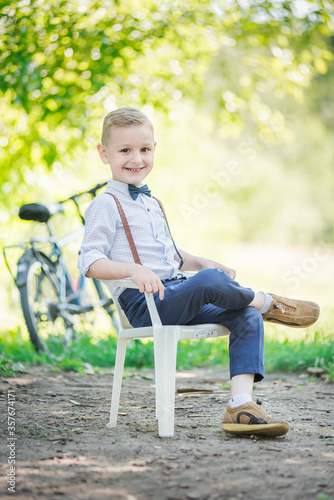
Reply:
x=100, y=229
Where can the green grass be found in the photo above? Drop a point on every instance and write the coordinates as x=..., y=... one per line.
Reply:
x=296, y=356
x=285, y=351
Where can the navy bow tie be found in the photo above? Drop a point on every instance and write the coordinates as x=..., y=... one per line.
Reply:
x=134, y=191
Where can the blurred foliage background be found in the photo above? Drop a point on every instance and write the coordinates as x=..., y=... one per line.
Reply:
x=241, y=95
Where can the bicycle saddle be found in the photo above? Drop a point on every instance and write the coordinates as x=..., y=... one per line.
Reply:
x=39, y=212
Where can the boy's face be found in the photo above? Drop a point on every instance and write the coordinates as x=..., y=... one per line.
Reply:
x=130, y=153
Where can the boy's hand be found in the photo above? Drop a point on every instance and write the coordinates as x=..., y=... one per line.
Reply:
x=193, y=263
x=230, y=272
x=147, y=281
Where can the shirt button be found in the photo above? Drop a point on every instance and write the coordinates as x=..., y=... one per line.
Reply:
x=148, y=209
x=166, y=258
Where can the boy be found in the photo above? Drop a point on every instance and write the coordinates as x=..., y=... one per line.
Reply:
x=210, y=296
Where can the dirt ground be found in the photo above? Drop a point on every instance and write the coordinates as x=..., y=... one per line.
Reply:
x=63, y=448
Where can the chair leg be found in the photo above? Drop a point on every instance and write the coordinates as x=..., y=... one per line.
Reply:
x=165, y=348
x=118, y=375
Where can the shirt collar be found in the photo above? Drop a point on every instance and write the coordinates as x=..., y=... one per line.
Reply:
x=118, y=186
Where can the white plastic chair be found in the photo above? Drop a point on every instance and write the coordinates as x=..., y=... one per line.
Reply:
x=165, y=339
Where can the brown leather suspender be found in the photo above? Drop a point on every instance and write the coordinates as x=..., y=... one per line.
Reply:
x=127, y=230
x=129, y=234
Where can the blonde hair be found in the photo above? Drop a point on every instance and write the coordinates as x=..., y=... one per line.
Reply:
x=123, y=117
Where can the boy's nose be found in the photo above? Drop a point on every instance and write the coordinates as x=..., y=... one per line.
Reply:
x=136, y=158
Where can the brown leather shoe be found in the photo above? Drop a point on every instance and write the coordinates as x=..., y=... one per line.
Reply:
x=251, y=419
x=290, y=312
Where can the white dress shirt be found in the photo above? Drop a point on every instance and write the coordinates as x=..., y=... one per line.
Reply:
x=105, y=236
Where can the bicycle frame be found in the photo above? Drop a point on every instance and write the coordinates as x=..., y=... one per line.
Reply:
x=69, y=299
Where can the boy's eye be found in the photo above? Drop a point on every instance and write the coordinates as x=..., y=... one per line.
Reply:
x=144, y=150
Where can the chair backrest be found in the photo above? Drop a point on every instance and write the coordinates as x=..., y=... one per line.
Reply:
x=122, y=318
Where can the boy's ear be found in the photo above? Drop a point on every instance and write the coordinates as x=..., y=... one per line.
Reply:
x=103, y=153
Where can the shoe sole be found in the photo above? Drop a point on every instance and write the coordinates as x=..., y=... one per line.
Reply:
x=270, y=430
x=287, y=323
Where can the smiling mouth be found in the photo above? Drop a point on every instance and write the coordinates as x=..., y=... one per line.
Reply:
x=134, y=169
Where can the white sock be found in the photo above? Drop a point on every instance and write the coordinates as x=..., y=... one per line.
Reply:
x=239, y=400
x=267, y=303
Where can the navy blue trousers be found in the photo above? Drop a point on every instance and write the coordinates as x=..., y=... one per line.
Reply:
x=210, y=296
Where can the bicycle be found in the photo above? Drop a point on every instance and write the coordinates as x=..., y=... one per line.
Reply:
x=53, y=304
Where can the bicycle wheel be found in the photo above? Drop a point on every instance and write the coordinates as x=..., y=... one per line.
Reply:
x=52, y=324
x=39, y=292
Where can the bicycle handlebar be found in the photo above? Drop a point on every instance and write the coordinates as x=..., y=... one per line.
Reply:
x=91, y=191
x=74, y=197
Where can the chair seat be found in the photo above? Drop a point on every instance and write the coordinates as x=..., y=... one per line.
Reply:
x=203, y=331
